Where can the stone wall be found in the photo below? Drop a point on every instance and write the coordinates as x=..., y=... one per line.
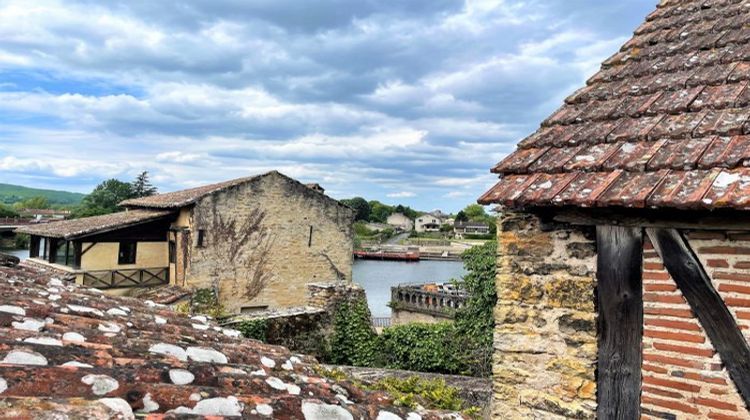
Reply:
x=545, y=337
x=306, y=329
x=266, y=240
x=407, y=316
x=683, y=376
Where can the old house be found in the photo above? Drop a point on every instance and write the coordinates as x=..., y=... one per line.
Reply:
x=461, y=229
x=257, y=241
x=400, y=221
x=427, y=223
x=624, y=247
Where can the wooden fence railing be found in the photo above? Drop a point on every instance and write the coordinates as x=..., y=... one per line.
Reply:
x=139, y=277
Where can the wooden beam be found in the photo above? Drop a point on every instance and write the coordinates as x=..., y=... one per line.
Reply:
x=671, y=219
x=620, y=321
x=708, y=306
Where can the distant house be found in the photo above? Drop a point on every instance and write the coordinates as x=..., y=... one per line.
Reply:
x=400, y=221
x=427, y=223
x=461, y=229
x=257, y=241
x=45, y=214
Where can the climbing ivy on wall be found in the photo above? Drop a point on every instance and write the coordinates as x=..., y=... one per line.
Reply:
x=475, y=322
x=353, y=342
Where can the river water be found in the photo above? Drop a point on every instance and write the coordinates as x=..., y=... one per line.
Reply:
x=377, y=277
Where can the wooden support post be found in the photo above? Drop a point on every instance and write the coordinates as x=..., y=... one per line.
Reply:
x=620, y=325
x=708, y=306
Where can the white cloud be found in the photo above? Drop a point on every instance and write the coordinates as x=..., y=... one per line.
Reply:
x=401, y=194
x=369, y=98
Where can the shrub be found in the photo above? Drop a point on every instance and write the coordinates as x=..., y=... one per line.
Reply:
x=353, y=341
x=422, y=347
x=254, y=328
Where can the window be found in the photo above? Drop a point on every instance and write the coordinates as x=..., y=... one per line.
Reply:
x=127, y=252
x=172, y=252
x=309, y=238
x=201, y=237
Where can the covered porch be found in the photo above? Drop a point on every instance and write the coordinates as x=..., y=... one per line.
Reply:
x=122, y=251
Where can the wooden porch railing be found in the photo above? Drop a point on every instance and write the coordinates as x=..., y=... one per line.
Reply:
x=137, y=277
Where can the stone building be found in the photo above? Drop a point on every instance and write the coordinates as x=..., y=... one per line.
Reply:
x=624, y=245
x=400, y=221
x=257, y=241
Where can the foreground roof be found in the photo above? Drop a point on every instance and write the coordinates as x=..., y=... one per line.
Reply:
x=71, y=229
x=662, y=125
x=69, y=350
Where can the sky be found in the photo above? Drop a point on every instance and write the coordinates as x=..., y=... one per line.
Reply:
x=408, y=101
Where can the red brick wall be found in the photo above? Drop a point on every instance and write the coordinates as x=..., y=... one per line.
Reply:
x=683, y=376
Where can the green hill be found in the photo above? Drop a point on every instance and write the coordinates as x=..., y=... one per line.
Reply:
x=10, y=194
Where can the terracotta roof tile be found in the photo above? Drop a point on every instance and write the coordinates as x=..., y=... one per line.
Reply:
x=68, y=350
x=656, y=125
x=74, y=228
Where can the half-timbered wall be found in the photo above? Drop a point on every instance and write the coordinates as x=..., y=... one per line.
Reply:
x=683, y=375
x=546, y=339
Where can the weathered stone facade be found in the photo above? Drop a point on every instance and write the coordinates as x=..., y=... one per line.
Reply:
x=545, y=335
x=306, y=329
x=264, y=242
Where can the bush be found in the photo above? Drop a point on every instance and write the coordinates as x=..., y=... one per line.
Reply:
x=423, y=348
x=254, y=328
x=354, y=341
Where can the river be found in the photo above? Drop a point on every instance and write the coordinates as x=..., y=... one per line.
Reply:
x=377, y=277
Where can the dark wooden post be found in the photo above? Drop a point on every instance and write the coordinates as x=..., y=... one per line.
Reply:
x=708, y=306
x=620, y=325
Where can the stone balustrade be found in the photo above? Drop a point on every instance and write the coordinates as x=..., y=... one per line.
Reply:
x=414, y=298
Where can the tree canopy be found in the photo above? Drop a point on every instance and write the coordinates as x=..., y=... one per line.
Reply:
x=360, y=206
x=32, y=203
x=105, y=198
x=142, y=186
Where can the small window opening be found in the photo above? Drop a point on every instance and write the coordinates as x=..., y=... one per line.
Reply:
x=309, y=238
x=127, y=252
x=201, y=237
x=172, y=252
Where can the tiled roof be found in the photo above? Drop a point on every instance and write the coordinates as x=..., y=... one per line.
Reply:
x=70, y=229
x=183, y=198
x=663, y=124
x=70, y=350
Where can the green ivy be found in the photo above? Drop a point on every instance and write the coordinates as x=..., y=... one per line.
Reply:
x=422, y=348
x=475, y=322
x=353, y=341
x=205, y=301
x=254, y=328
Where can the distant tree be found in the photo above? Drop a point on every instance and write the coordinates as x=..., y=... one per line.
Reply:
x=142, y=186
x=379, y=212
x=461, y=217
x=105, y=198
x=361, y=206
x=32, y=203
x=7, y=211
x=475, y=212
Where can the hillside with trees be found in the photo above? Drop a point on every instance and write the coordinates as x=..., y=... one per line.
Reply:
x=11, y=194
